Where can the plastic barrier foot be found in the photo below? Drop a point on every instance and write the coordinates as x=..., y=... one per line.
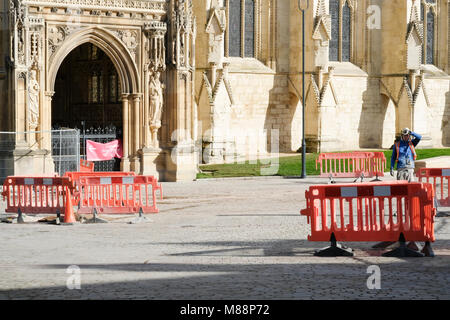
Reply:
x=442, y=214
x=427, y=250
x=383, y=245
x=95, y=218
x=7, y=220
x=402, y=250
x=413, y=246
x=57, y=221
x=360, y=177
x=19, y=216
x=140, y=218
x=334, y=250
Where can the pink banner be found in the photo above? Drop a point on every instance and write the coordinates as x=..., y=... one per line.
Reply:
x=103, y=151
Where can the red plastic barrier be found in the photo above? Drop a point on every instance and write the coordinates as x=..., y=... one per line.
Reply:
x=351, y=164
x=440, y=178
x=75, y=176
x=36, y=194
x=86, y=166
x=365, y=212
x=126, y=194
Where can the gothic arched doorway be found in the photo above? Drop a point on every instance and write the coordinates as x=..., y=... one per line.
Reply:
x=88, y=97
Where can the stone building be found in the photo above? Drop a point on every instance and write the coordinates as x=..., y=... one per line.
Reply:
x=191, y=81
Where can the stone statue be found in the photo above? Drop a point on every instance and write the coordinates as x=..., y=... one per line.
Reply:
x=33, y=99
x=156, y=103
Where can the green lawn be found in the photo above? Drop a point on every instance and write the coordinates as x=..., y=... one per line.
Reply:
x=290, y=166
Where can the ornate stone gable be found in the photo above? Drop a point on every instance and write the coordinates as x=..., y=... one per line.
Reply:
x=212, y=90
x=414, y=41
x=322, y=23
x=413, y=93
x=215, y=28
x=322, y=85
x=217, y=16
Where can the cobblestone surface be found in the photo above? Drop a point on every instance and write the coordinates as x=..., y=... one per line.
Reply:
x=213, y=239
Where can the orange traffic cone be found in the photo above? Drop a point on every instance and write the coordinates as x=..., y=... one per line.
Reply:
x=69, y=217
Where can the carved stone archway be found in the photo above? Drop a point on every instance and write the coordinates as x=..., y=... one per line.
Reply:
x=129, y=81
x=110, y=44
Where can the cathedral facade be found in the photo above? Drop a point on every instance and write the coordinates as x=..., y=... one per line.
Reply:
x=208, y=81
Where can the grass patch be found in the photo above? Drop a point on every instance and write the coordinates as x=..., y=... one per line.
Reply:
x=291, y=166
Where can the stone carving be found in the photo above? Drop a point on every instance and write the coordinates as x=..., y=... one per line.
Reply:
x=33, y=100
x=17, y=13
x=130, y=39
x=183, y=34
x=35, y=47
x=156, y=103
x=56, y=35
x=159, y=5
x=155, y=47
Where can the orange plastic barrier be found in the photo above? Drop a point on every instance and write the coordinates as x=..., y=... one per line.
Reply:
x=365, y=212
x=75, y=176
x=440, y=178
x=86, y=166
x=126, y=194
x=351, y=164
x=36, y=194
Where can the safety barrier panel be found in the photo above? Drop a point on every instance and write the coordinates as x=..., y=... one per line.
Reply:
x=440, y=178
x=86, y=166
x=365, y=212
x=352, y=164
x=75, y=176
x=36, y=194
x=111, y=195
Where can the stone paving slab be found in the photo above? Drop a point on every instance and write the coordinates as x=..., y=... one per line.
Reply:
x=213, y=239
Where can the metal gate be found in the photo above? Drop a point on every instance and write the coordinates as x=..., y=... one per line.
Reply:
x=100, y=135
x=66, y=150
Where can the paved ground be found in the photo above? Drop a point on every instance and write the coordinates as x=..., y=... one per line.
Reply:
x=213, y=239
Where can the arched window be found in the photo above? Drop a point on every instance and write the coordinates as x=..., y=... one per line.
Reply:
x=430, y=38
x=234, y=29
x=346, y=32
x=334, y=42
x=428, y=8
x=249, y=28
x=241, y=28
x=341, y=26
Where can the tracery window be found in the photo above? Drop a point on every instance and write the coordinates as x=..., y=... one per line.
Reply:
x=95, y=84
x=103, y=81
x=241, y=34
x=341, y=30
x=428, y=16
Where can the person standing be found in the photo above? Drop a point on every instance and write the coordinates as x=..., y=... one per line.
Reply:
x=404, y=155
